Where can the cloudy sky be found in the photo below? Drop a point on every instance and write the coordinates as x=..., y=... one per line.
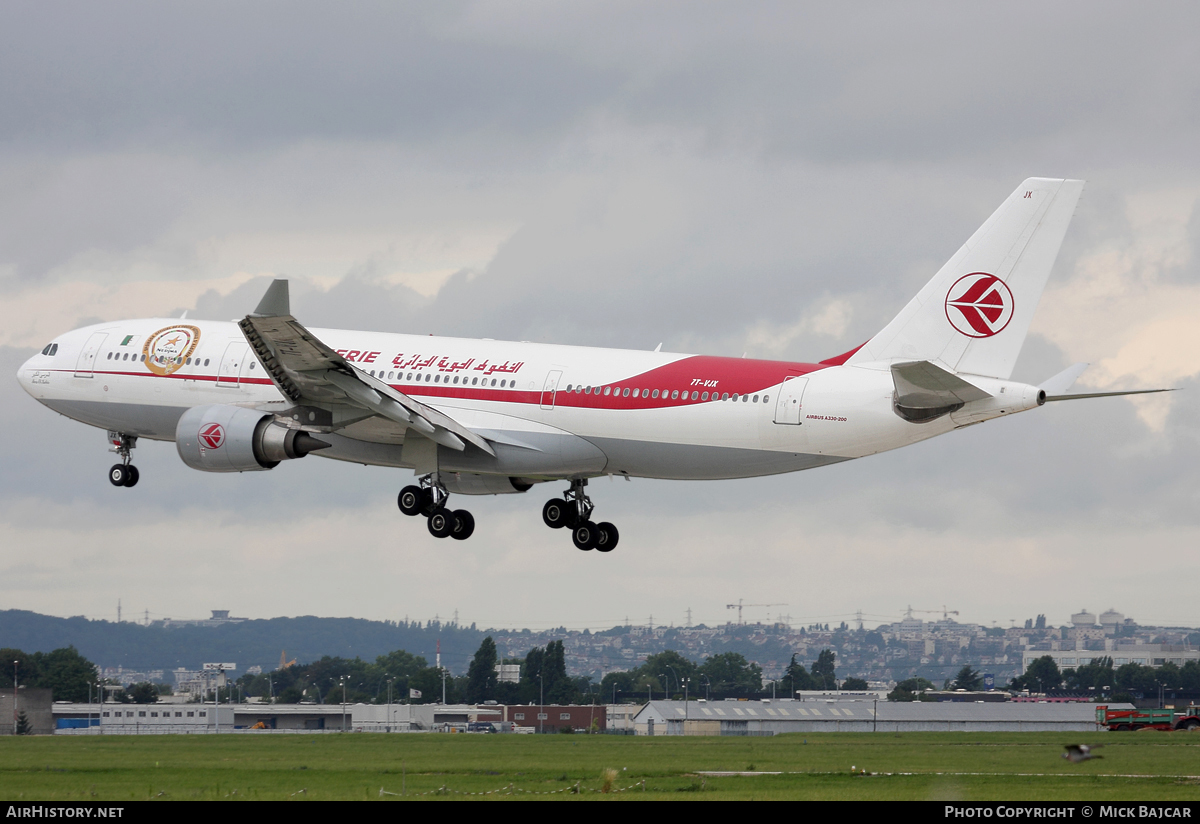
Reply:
x=776, y=179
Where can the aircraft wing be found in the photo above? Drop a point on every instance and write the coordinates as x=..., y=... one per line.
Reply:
x=310, y=373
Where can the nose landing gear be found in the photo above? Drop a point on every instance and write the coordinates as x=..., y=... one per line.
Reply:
x=124, y=473
x=574, y=511
x=429, y=499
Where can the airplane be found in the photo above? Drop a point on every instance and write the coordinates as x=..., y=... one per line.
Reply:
x=486, y=417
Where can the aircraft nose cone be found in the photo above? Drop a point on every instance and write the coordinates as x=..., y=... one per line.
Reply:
x=26, y=375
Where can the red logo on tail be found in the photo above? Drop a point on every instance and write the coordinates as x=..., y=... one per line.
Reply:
x=212, y=435
x=979, y=305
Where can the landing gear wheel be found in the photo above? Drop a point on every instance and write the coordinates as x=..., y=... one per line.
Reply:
x=133, y=475
x=586, y=536
x=557, y=513
x=608, y=537
x=118, y=475
x=464, y=525
x=411, y=500
x=441, y=523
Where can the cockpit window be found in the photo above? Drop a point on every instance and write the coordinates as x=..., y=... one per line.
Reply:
x=51, y=349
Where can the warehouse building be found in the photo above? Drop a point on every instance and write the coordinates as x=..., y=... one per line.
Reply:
x=785, y=716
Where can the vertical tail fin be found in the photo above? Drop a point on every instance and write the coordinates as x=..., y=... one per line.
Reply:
x=973, y=315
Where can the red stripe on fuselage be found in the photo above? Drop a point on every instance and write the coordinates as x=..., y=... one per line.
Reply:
x=698, y=373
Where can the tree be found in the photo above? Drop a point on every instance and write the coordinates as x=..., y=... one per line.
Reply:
x=1189, y=675
x=731, y=674
x=671, y=668
x=823, y=672
x=559, y=688
x=798, y=677
x=64, y=672
x=1041, y=675
x=481, y=675
x=911, y=689
x=553, y=686
x=1095, y=675
x=968, y=679
x=617, y=685
x=855, y=684
x=143, y=693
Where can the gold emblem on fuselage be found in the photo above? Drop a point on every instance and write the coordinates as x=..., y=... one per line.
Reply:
x=168, y=349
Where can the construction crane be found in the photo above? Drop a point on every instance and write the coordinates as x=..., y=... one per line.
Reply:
x=739, y=605
x=284, y=663
x=946, y=613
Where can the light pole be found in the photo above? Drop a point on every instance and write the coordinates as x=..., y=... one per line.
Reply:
x=707, y=684
x=686, y=683
x=388, y=725
x=541, y=704
x=16, y=666
x=673, y=672
x=343, y=680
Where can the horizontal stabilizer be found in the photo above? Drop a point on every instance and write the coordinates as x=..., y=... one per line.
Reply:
x=1064, y=380
x=925, y=391
x=924, y=385
x=1057, y=386
x=1083, y=395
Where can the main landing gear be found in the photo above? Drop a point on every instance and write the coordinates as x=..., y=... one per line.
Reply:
x=429, y=499
x=575, y=511
x=124, y=473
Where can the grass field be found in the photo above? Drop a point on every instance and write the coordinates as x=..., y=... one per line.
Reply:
x=1144, y=766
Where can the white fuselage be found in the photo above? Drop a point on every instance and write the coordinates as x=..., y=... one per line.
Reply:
x=552, y=411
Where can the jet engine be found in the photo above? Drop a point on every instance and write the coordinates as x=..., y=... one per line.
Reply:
x=223, y=438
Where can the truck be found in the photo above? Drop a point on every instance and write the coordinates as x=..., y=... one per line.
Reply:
x=1137, y=719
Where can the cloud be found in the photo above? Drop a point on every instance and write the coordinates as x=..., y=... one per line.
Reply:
x=773, y=178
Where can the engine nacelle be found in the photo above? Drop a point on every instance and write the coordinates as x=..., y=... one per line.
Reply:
x=223, y=438
x=470, y=483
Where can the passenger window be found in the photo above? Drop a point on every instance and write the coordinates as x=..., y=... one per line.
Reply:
x=474, y=381
x=756, y=398
x=745, y=398
x=704, y=396
x=734, y=397
x=625, y=394
x=675, y=394
x=654, y=394
x=607, y=389
x=766, y=398
x=568, y=387
x=493, y=381
x=725, y=396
